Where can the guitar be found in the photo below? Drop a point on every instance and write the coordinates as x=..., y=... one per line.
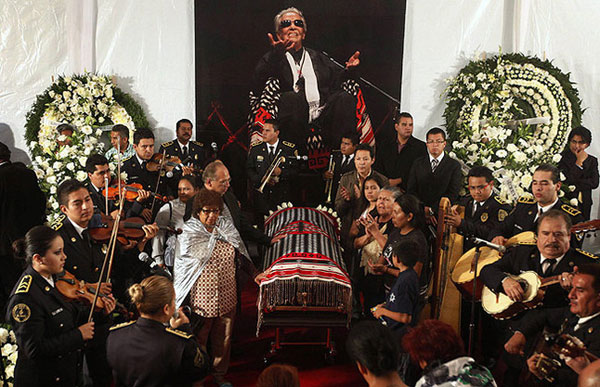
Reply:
x=501, y=307
x=463, y=273
x=556, y=345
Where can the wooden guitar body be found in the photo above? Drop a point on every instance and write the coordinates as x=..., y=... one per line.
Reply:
x=500, y=306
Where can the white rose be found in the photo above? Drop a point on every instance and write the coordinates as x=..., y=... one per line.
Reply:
x=68, y=79
x=498, y=164
x=82, y=161
x=557, y=157
x=57, y=165
x=51, y=93
x=54, y=205
x=572, y=188
x=53, y=189
x=101, y=119
x=574, y=202
x=109, y=92
x=13, y=359
x=51, y=179
x=3, y=335
x=561, y=194
x=87, y=130
x=62, y=107
x=562, y=177
x=472, y=148
x=501, y=153
x=10, y=370
x=519, y=157
x=81, y=175
x=71, y=166
x=66, y=94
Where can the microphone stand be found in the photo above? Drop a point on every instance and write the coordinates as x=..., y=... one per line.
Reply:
x=473, y=297
x=395, y=100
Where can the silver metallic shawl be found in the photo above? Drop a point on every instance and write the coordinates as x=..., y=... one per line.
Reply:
x=196, y=247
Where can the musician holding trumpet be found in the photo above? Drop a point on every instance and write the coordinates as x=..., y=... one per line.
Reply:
x=271, y=165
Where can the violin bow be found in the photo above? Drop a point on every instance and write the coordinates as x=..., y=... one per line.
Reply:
x=160, y=170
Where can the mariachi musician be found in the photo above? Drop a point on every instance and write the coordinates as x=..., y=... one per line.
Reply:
x=85, y=258
x=342, y=162
x=50, y=331
x=550, y=255
x=276, y=156
x=483, y=208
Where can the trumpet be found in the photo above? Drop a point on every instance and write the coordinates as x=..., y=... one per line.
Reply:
x=267, y=176
x=329, y=183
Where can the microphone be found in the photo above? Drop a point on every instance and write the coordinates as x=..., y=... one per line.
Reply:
x=145, y=257
x=214, y=147
x=491, y=245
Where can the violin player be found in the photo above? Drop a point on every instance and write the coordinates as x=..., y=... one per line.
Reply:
x=85, y=258
x=97, y=169
x=136, y=166
x=50, y=331
x=551, y=255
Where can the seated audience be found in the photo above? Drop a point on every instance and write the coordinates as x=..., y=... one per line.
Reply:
x=580, y=169
x=279, y=375
x=375, y=351
x=439, y=351
x=145, y=352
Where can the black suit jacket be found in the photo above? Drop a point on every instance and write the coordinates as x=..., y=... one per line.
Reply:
x=429, y=186
x=561, y=320
x=527, y=258
x=484, y=220
x=199, y=155
x=172, y=357
x=47, y=335
x=22, y=204
x=584, y=179
x=83, y=261
x=136, y=173
x=522, y=218
x=397, y=165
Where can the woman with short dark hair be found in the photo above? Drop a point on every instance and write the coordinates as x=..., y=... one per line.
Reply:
x=439, y=351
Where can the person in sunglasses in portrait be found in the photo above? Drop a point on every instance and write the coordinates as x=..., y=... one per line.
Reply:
x=304, y=84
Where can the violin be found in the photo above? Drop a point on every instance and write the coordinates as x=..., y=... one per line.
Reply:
x=131, y=192
x=129, y=229
x=171, y=162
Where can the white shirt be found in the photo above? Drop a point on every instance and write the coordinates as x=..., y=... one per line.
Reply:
x=347, y=158
x=554, y=262
x=583, y=320
x=273, y=147
x=439, y=158
x=77, y=227
x=186, y=145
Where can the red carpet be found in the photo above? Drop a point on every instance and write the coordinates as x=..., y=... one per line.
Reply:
x=248, y=352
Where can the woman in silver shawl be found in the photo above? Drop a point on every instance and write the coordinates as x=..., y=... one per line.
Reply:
x=205, y=275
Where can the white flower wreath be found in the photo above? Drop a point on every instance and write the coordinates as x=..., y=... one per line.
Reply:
x=510, y=113
x=86, y=102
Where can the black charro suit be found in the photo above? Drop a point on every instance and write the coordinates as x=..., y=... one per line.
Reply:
x=146, y=353
x=526, y=257
x=561, y=320
x=585, y=179
x=522, y=218
x=257, y=166
x=493, y=211
x=198, y=154
x=430, y=187
x=47, y=336
x=100, y=201
x=85, y=263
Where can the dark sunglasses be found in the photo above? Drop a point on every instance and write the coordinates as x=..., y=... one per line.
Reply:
x=210, y=210
x=287, y=23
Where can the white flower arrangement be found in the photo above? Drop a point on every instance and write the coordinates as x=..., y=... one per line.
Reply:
x=85, y=102
x=8, y=345
x=488, y=96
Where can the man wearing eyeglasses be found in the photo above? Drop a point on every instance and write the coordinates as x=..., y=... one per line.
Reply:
x=435, y=176
x=309, y=83
x=483, y=208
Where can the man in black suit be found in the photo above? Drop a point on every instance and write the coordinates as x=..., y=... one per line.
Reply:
x=98, y=170
x=545, y=186
x=580, y=169
x=483, y=208
x=435, y=176
x=85, y=258
x=264, y=155
x=136, y=169
x=396, y=156
x=22, y=206
x=581, y=319
x=343, y=162
x=550, y=255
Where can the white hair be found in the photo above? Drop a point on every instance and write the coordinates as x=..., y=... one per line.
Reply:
x=277, y=20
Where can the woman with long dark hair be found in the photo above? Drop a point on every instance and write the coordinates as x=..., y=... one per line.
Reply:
x=50, y=331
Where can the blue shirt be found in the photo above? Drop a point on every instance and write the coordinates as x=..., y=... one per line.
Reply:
x=403, y=297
